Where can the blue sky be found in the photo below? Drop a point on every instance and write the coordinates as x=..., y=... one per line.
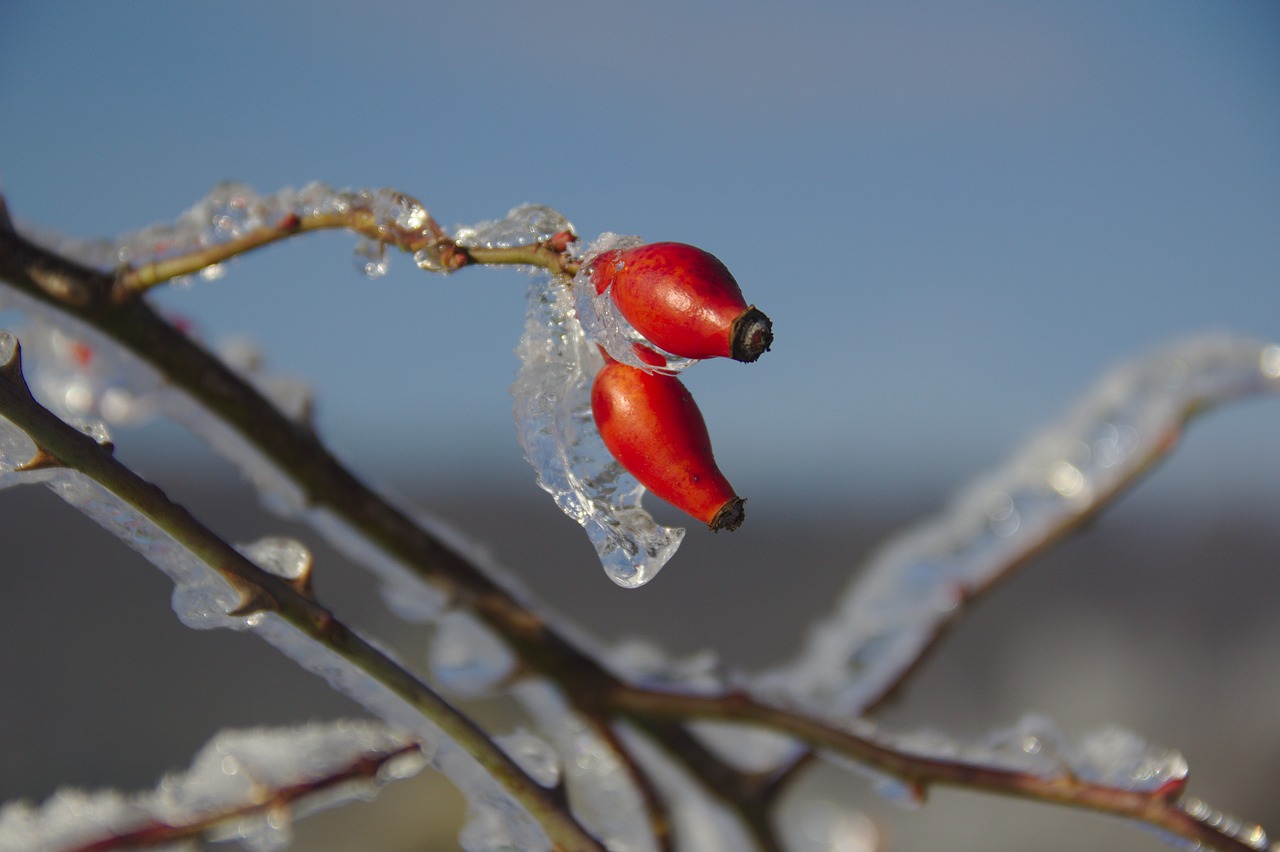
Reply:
x=956, y=214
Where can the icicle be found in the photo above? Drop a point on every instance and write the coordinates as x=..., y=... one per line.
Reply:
x=553, y=413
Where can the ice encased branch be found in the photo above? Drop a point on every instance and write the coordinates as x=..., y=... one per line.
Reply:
x=919, y=579
x=552, y=395
x=249, y=786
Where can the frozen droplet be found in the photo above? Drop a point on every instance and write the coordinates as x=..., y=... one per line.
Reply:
x=467, y=657
x=285, y=557
x=264, y=831
x=16, y=446
x=371, y=257
x=821, y=825
x=393, y=209
x=1115, y=757
x=525, y=225
x=1270, y=362
x=8, y=347
x=403, y=766
x=94, y=428
x=213, y=271
x=533, y=754
x=557, y=431
x=429, y=260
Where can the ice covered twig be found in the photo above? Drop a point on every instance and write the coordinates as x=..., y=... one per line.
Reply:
x=234, y=219
x=217, y=586
x=245, y=785
x=917, y=583
x=1108, y=771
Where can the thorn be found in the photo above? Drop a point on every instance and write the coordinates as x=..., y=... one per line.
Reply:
x=42, y=460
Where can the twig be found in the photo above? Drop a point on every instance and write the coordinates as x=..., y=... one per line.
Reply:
x=65, y=446
x=446, y=254
x=1159, y=808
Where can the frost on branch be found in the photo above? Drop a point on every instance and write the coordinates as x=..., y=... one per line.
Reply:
x=920, y=578
x=247, y=786
x=552, y=395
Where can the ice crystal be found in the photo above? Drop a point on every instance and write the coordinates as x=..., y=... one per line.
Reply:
x=558, y=434
x=893, y=609
x=525, y=225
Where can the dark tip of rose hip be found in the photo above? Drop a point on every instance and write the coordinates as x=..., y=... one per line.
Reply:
x=730, y=516
x=750, y=336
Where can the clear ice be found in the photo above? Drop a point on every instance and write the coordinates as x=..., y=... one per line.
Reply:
x=525, y=225
x=1035, y=746
x=920, y=578
x=232, y=210
x=552, y=395
x=601, y=320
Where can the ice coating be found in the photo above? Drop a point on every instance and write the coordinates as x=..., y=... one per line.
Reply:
x=202, y=598
x=285, y=557
x=601, y=792
x=232, y=776
x=1108, y=757
x=525, y=225
x=699, y=820
x=533, y=754
x=231, y=211
x=82, y=378
x=466, y=657
x=919, y=579
x=601, y=320
x=822, y=825
x=552, y=395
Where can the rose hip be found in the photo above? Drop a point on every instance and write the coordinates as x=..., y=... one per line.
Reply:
x=684, y=300
x=654, y=429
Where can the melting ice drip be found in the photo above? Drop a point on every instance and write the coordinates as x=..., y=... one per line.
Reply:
x=552, y=395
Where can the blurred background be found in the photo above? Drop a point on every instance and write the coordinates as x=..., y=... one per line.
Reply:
x=956, y=216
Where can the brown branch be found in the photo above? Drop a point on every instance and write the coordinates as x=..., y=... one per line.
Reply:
x=1159, y=808
x=261, y=592
x=447, y=254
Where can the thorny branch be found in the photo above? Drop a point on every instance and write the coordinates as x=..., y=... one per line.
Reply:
x=61, y=445
x=108, y=305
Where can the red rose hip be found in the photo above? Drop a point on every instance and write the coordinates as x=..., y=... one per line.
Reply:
x=654, y=429
x=684, y=300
